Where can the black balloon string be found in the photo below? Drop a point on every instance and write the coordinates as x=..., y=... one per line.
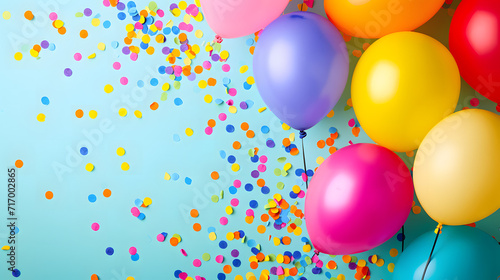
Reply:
x=438, y=232
x=303, y=134
x=402, y=238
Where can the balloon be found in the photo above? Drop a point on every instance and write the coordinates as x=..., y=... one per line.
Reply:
x=359, y=197
x=238, y=18
x=456, y=168
x=475, y=43
x=403, y=85
x=377, y=18
x=300, y=67
x=461, y=253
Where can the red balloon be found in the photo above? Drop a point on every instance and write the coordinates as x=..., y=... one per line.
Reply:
x=475, y=44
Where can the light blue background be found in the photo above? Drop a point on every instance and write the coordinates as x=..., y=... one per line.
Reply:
x=55, y=240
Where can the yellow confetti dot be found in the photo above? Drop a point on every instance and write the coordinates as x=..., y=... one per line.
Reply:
x=89, y=167
x=297, y=231
x=101, y=46
x=182, y=5
x=146, y=39
x=18, y=56
x=285, y=126
x=176, y=12
x=138, y=114
x=208, y=98
x=279, y=257
x=243, y=69
x=91, y=56
x=362, y=263
x=130, y=278
x=233, y=109
x=393, y=252
x=198, y=17
x=235, y=167
x=287, y=166
x=108, y=88
x=380, y=262
x=95, y=22
x=6, y=247
x=202, y=84
x=198, y=33
x=167, y=176
x=306, y=248
x=147, y=201
x=58, y=23
x=122, y=112
x=6, y=15
x=341, y=277
x=125, y=166
x=212, y=236
x=120, y=151
x=229, y=210
x=251, y=80
x=230, y=236
x=40, y=117
x=165, y=87
x=33, y=53
x=319, y=160
x=296, y=189
x=224, y=54
x=189, y=131
x=92, y=114
x=129, y=27
x=390, y=267
x=262, y=109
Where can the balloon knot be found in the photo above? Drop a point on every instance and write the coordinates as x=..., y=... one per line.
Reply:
x=218, y=39
x=438, y=228
x=302, y=134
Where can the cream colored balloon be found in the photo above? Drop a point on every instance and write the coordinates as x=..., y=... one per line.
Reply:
x=457, y=167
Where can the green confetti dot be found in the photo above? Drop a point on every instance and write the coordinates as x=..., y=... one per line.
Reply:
x=163, y=96
x=280, y=185
x=177, y=85
x=277, y=172
x=206, y=257
x=215, y=198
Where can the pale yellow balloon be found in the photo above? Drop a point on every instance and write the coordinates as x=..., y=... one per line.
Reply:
x=403, y=85
x=456, y=168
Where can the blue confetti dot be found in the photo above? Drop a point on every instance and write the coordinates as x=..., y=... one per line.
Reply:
x=233, y=190
x=121, y=15
x=251, y=243
x=177, y=138
x=255, y=251
x=265, y=190
x=110, y=251
x=230, y=128
x=253, y=203
x=144, y=45
x=136, y=17
x=293, y=195
x=92, y=198
x=52, y=47
x=221, y=276
x=178, y=101
x=84, y=151
x=219, y=101
x=141, y=216
x=400, y=237
x=297, y=255
x=16, y=272
x=188, y=180
x=255, y=158
x=114, y=44
x=176, y=30
x=135, y=257
x=222, y=154
x=247, y=86
x=226, y=81
x=211, y=229
x=236, y=263
x=175, y=176
x=138, y=202
x=140, y=83
x=332, y=130
x=45, y=100
x=248, y=187
x=177, y=272
x=242, y=233
x=154, y=82
x=162, y=69
x=223, y=244
x=264, y=129
x=106, y=24
x=131, y=4
x=167, y=30
x=249, y=41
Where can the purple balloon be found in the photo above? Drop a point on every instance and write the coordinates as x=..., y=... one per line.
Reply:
x=359, y=197
x=300, y=67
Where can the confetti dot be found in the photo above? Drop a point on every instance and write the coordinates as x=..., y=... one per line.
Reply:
x=125, y=166
x=68, y=72
x=95, y=226
x=120, y=151
x=89, y=167
x=122, y=112
x=6, y=15
x=110, y=251
x=108, y=88
x=49, y=195
x=18, y=56
x=92, y=198
x=40, y=117
x=106, y=192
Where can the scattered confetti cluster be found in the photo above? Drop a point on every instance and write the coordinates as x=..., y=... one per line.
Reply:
x=252, y=225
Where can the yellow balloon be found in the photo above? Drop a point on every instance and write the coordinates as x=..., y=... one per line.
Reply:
x=456, y=168
x=403, y=85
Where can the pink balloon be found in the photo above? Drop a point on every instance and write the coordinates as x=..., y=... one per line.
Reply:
x=238, y=18
x=359, y=197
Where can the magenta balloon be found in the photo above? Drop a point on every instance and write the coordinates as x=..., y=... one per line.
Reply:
x=359, y=198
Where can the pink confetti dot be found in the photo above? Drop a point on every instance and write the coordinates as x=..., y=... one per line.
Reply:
x=117, y=65
x=133, y=56
x=232, y=91
x=123, y=80
x=183, y=252
x=105, y=3
x=160, y=12
x=77, y=56
x=237, y=183
x=226, y=67
x=138, y=26
x=301, y=194
x=135, y=211
x=159, y=24
x=319, y=264
x=262, y=168
x=160, y=237
x=351, y=122
x=95, y=226
x=52, y=16
x=223, y=221
x=263, y=159
x=208, y=130
x=249, y=212
x=219, y=258
x=207, y=65
x=474, y=102
x=197, y=263
x=132, y=250
x=222, y=116
x=183, y=275
x=230, y=102
x=235, y=202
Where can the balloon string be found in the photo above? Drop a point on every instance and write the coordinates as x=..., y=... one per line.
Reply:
x=403, y=238
x=438, y=232
x=303, y=134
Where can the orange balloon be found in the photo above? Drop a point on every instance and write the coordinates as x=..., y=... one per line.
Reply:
x=377, y=18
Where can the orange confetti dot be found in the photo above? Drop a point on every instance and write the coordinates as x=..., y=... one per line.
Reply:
x=330, y=141
x=332, y=150
x=127, y=40
x=346, y=258
x=211, y=123
x=416, y=209
x=94, y=277
x=113, y=3
x=37, y=48
x=79, y=113
x=355, y=131
x=182, y=37
x=198, y=69
x=150, y=50
x=249, y=219
x=250, y=134
x=196, y=227
x=261, y=182
x=84, y=34
x=174, y=241
x=244, y=126
x=260, y=256
x=106, y=192
x=264, y=218
x=194, y=213
x=49, y=195
x=294, y=151
x=19, y=163
x=286, y=240
x=356, y=53
x=293, y=271
x=254, y=265
x=252, y=49
x=153, y=106
x=261, y=229
x=62, y=30
x=286, y=142
x=331, y=265
x=365, y=46
x=236, y=145
x=28, y=15
x=211, y=82
x=321, y=144
x=214, y=175
x=227, y=269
